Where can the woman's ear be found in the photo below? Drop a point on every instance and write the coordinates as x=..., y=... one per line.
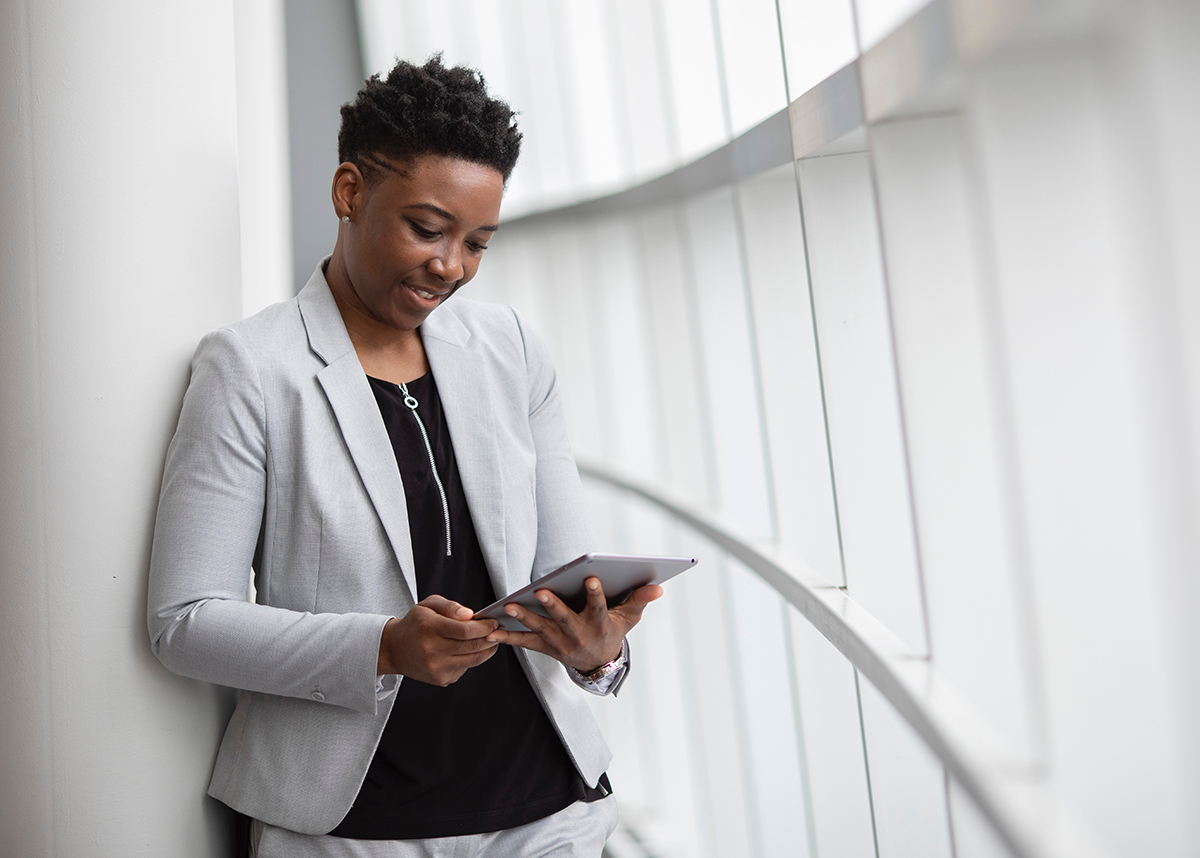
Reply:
x=348, y=188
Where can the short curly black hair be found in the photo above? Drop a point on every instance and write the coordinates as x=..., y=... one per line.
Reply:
x=427, y=110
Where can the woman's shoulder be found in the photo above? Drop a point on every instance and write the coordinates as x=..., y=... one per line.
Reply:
x=270, y=327
x=275, y=335
x=462, y=319
x=498, y=330
x=480, y=315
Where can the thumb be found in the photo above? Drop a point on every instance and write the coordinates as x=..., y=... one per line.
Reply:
x=645, y=595
x=630, y=611
x=447, y=608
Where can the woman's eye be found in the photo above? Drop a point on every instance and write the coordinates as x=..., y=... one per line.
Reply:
x=476, y=247
x=423, y=232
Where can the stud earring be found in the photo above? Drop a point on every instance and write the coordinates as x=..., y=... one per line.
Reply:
x=346, y=220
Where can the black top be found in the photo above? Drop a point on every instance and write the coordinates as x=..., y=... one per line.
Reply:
x=481, y=754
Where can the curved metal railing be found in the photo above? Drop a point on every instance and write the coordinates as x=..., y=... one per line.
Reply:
x=1011, y=794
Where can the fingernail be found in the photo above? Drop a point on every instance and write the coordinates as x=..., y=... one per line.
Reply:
x=593, y=585
x=511, y=610
x=543, y=598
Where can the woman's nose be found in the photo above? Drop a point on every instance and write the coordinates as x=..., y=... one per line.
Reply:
x=447, y=265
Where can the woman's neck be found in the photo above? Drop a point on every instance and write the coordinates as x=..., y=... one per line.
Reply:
x=385, y=352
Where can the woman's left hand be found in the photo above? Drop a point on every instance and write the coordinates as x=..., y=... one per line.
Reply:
x=586, y=640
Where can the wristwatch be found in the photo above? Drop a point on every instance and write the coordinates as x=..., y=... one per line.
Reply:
x=606, y=669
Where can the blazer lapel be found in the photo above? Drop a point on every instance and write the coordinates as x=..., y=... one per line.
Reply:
x=349, y=393
x=461, y=378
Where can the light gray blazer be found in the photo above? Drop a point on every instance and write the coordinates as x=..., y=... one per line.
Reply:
x=281, y=461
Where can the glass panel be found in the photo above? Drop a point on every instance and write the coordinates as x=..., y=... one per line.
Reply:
x=833, y=747
x=490, y=282
x=860, y=392
x=570, y=256
x=668, y=822
x=674, y=344
x=773, y=754
x=642, y=73
x=908, y=790
x=877, y=18
x=695, y=79
x=753, y=61
x=412, y=30
x=702, y=597
x=631, y=770
x=499, y=54
x=523, y=255
x=973, y=835
x=728, y=364
x=546, y=133
x=625, y=384
x=384, y=28
x=586, y=52
x=818, y=39
x=1074, y=298
x=787, y=357
x=421, y=29
x=966, y=559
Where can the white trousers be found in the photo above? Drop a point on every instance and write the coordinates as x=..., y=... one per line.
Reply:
x=577, y=831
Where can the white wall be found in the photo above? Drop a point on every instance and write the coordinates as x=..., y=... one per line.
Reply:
x=264, y=174
x=119, y=232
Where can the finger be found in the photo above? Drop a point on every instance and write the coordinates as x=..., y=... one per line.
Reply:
x=643, y=596
x=527, y=618
x=478, y=653
x=454, y=665
x=461, y=630
x=597, y=605
x=555, y=607
x=447, y=608
x=546, y=630
x=470, y=647
x=480, y=657
x=527, y=640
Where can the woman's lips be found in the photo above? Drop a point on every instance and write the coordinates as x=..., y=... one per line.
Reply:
x=426, y=296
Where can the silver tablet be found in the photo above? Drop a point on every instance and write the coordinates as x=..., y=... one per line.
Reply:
x=619, y=574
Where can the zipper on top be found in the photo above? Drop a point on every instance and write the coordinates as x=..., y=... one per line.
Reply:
x=411, y=402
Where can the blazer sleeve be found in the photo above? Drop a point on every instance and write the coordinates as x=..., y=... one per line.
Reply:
x=210, y=513
x=564, y=527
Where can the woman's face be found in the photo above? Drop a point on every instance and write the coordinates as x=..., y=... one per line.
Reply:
x=416, y=235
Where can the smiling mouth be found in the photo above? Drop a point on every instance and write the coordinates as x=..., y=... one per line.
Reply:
x=427, y=294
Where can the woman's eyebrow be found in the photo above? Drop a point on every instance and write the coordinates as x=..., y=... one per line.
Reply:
x=437, y=210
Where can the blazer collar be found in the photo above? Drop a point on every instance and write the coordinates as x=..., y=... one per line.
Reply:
x=326, y=331
x=464, y=386
x=357, y=413
x=462, y=380
x=444, y=325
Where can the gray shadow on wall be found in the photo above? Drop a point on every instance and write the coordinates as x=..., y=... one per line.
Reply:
x=324, y=71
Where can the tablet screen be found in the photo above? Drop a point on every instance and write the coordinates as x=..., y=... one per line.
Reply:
x=619, y=574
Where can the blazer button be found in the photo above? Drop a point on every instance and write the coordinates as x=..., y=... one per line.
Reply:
x=318, y=696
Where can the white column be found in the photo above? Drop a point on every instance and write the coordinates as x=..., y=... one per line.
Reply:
x=119, y=241
x=264, y=163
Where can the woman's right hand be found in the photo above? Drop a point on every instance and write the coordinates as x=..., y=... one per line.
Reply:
x=436, y=642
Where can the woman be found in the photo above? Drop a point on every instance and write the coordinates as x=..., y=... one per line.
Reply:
x=387, y=464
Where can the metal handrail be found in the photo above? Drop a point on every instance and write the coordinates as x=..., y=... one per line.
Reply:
x=1011, y=793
